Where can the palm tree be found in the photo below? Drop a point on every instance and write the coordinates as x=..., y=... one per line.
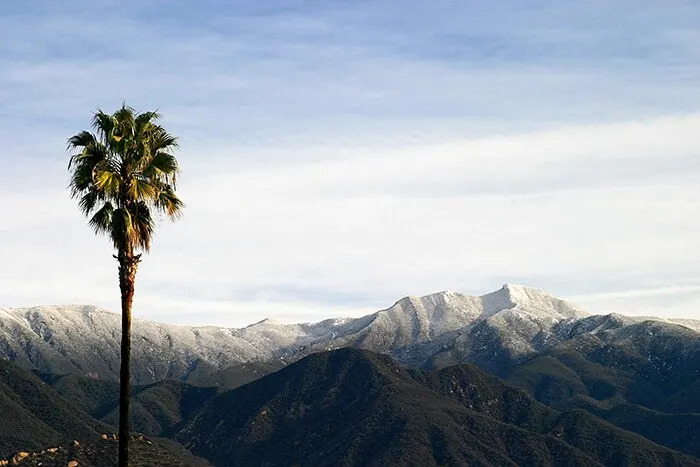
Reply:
x=121, y=175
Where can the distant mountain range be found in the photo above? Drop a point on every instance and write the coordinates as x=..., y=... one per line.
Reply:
x=494, y=330
x=573, y=371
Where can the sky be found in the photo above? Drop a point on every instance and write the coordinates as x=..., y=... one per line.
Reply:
x=339, y=155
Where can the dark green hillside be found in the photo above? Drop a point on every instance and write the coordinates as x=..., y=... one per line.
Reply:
x=490, y=395
x=649, y=364
x=679, y=431
x=350, y=407
x=557, y=376
x=233, y=376
x=155, y=408
x=33, y=414
x=94, y=396
x=685, y=400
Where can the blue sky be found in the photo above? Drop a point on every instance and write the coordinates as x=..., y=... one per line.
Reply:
x=338, y=155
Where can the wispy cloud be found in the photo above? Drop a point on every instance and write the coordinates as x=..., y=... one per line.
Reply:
x=338, y=155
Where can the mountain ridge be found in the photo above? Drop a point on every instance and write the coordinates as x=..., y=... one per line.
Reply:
x=438, y=329
x=508, y=290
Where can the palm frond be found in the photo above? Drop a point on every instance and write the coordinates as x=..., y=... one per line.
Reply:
x=162, y=165
x=81, y=140
x=144, y=225
x=107, y=181
x=144, y=120
x=81, y=178
x=124, y=118
x=88, y=201
x=104, y=124
x=142, y=189
x=169, y=203
x=101, y=221
x=163, y=141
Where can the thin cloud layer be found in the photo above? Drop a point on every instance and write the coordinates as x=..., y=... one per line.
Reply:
x=339, y=156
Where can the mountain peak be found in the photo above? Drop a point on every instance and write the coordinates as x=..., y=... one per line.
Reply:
x=423, y=319
x=266, y=321
x=530, y=300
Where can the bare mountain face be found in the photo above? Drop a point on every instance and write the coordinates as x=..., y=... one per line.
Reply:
x=495, y=330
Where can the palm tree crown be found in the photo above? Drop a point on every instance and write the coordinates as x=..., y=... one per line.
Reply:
x=124, y=172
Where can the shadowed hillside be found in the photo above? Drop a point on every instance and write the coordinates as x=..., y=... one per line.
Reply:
x=351, y=407
x=33, y=415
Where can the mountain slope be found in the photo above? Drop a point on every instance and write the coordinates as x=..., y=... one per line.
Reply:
x=85, y=340
x=32, y=414
x=97, y=452
x=613, y=360
x=680, y=431
x=156, y=409
x=350, y=407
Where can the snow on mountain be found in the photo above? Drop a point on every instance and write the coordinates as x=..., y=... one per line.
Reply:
x=689, y=323
x=434, y=330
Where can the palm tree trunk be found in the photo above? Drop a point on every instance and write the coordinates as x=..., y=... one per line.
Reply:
x=128, y=264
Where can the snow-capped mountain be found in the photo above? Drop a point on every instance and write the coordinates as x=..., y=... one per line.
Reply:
x=435, y=330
